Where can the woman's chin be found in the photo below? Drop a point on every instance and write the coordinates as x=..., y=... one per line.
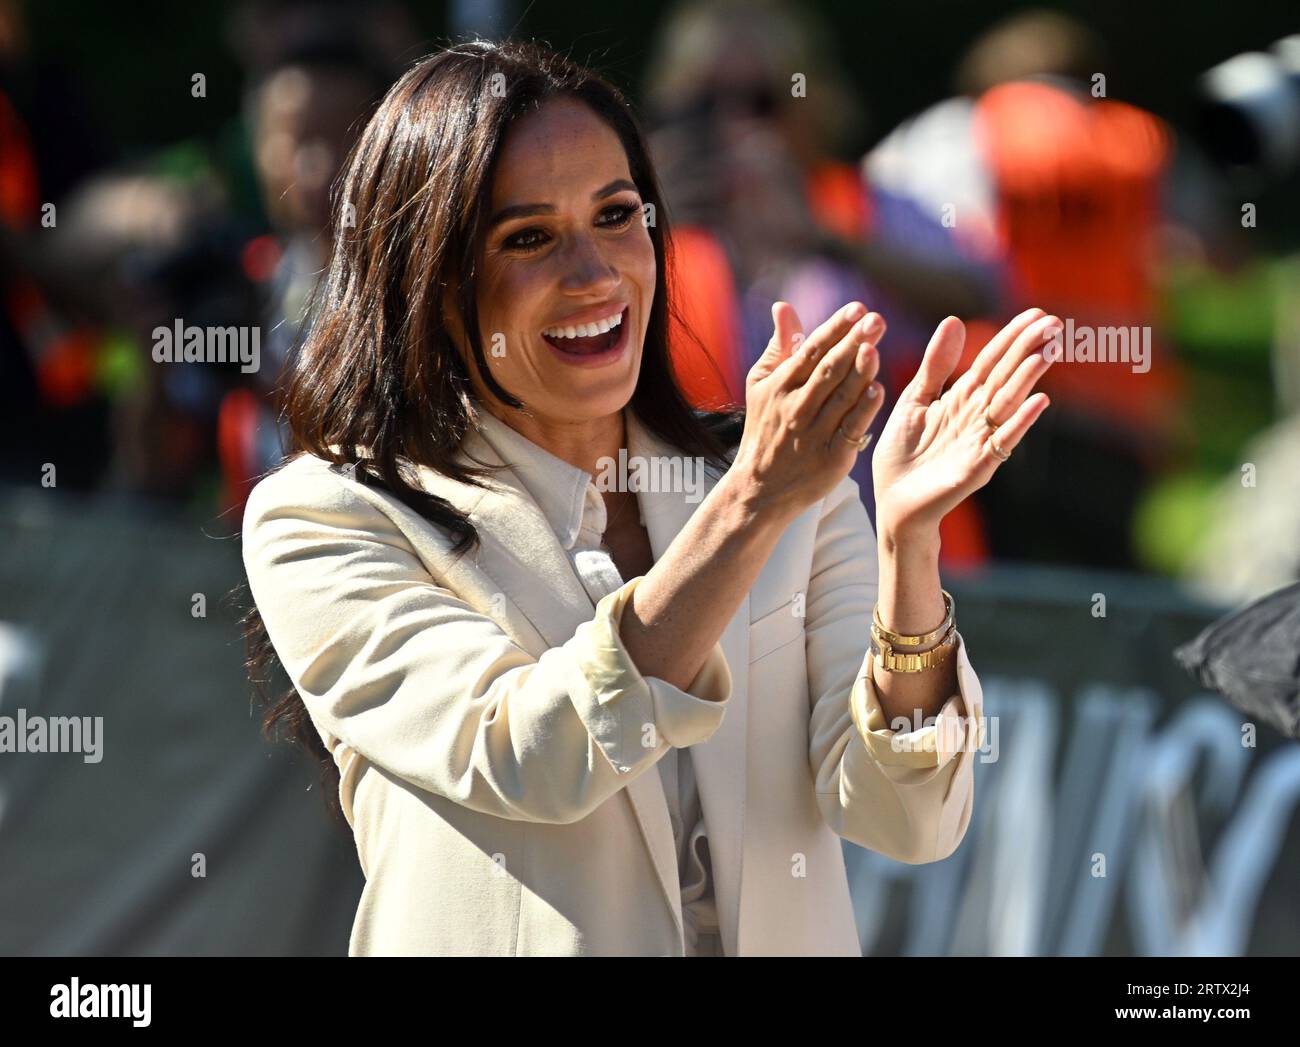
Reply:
x=588, y=395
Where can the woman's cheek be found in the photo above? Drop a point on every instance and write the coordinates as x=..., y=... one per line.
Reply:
x=641, y=262
x=510, y=293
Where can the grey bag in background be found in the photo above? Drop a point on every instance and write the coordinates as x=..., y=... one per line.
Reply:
x=1252, y=658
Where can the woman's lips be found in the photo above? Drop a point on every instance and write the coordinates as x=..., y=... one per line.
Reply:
x=595, y=351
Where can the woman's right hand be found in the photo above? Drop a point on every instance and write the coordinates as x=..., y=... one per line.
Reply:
x=797, y=395
x=789, y=458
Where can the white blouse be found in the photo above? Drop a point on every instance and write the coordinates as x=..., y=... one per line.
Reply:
x=575, y=509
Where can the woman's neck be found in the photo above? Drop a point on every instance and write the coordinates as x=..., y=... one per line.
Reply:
x=580, y=443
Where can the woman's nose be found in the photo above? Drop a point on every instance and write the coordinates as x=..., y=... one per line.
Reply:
x=586, y=269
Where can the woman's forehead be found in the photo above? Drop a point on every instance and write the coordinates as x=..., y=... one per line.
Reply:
x=561, y=144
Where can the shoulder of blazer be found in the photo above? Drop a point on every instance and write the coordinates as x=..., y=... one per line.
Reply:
x=311, y=488
x=323, y=488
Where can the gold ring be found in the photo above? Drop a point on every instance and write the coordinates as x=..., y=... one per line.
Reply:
x=993, y=444
x=989, y=421
x=859, y=444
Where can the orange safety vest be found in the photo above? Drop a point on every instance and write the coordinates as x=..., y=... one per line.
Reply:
x=704, y=338
x=1078, y=185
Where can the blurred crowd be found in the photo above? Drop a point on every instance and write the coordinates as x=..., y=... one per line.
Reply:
x=1031, y=184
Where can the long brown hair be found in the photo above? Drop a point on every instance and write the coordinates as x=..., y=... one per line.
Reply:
x=378, y=368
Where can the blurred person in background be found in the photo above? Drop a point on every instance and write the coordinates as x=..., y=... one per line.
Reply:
x=54, y=408
x=1036, y=167
x=751, y=116
x=303, y=115
x=313, y=69
x=1237, y=306
x=137, y=249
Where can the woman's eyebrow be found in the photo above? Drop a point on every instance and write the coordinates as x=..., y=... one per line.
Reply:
x=528, y=210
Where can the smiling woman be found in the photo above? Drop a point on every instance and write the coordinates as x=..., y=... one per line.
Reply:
x=564, y=719
x=523, y=209
x=567, y=263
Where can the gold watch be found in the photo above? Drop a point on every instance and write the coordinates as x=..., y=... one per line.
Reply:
x=884, y=642
x=893, y=661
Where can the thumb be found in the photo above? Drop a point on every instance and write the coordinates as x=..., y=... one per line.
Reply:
x=937, y=365
x=787, y=336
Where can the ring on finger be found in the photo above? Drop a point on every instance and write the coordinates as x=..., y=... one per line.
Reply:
x=989, y=421
x=997, y=450
x=860, y=444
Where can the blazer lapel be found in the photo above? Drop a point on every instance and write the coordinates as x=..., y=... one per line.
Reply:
x=521, y=568
x=721, y=763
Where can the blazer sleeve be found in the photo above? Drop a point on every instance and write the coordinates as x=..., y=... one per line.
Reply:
x=420, y=683
x=907, y=793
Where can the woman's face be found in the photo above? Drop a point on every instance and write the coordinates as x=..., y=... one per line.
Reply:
x=567, y=268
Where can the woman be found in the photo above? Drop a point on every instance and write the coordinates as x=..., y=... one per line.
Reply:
x=577, y=717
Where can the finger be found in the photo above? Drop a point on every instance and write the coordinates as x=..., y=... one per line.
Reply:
x=834, y=369
x=1009, y=398
x=1032, y=337
x=983, y=365
x=863, y=367
x=787, y=333
x=816, y=345
x=1008, y=435
x=787, y=330
x=941, y=356
x=857, y=420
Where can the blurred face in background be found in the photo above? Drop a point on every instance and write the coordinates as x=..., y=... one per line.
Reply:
x=304, y=117
x=567, y=267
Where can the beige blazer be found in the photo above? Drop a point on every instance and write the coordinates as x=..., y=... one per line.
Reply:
x=497, y=746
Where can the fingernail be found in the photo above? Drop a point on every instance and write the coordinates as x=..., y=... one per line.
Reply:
x=872, y=324
x=855, y=310
x=873, y=390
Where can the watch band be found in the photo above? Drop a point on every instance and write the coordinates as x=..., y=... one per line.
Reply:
x=910, y=661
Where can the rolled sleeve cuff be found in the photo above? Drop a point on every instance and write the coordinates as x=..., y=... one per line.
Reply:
x=630, y=715
x=914, y=757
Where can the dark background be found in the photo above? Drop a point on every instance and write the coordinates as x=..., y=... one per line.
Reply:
x=900, y=56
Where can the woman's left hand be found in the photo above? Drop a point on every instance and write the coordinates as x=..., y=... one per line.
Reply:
x=936, y=448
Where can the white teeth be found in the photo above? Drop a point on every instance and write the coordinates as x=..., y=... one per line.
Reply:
x=585, y=330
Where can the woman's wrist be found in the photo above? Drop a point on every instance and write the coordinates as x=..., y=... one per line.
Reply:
x=751, y=506
x=913, y=547
x=910, y=599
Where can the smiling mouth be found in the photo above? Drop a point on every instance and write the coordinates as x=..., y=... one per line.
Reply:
x=587, y=339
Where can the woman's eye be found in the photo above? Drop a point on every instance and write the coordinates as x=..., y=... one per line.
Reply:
x=618, y=216
x=525, y=240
